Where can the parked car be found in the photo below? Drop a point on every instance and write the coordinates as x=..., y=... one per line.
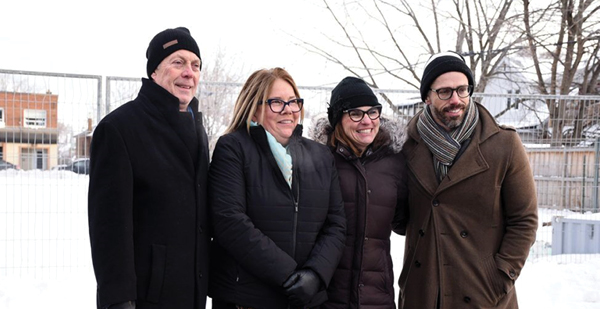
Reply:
x=6, y=165
x=60, y=167
x=79, y=166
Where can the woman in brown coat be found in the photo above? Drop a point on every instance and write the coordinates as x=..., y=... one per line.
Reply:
x=373, y=181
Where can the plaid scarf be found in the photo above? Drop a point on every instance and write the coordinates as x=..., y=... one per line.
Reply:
x=446, y=145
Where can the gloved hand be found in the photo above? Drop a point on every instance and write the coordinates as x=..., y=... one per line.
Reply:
x=301, y=287
x=124, y=305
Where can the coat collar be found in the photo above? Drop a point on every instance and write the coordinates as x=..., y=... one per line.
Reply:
x=260, y=137
x=162, y=99
x=394, y=131
x=157, y=98
x=472, y=162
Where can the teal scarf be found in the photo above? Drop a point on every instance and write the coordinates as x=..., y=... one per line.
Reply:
x=281, y=154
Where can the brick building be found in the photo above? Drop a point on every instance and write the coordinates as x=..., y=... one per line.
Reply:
x=29, y=129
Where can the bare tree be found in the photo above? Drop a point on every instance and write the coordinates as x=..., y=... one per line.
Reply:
x=393, y=39
x=216, y=95
x=566, y=57
x=66, y=148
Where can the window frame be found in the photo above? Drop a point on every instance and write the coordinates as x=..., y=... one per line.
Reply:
x=32, y=118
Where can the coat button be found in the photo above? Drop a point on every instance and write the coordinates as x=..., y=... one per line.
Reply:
x=435, y=203
x=417, y=264
x=200, y=275
x=366, y=238
x=200, y=229
x=369, y=191
x=464, y=234
x=467, y=299
x=512, y=274
x=421, y=232
x=360, y=285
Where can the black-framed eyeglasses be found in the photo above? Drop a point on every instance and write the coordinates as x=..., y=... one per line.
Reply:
x=357, y=114
x=278, y=105
x=446, y=92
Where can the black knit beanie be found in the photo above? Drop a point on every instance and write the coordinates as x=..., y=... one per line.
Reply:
x=351, y=92
x=168, y=42
x=441, y=63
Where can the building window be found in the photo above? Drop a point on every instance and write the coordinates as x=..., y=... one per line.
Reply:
x=509, y=100
x=32, y=158
x=34, y=118
x=2, y=123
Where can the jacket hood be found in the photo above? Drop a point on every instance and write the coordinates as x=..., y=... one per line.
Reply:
x=396, y=131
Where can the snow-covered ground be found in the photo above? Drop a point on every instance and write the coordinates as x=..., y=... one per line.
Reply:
x=45, y=257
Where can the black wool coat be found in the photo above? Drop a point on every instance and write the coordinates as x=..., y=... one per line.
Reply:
x=375, y=194
x=263, y=229
x=147, y=203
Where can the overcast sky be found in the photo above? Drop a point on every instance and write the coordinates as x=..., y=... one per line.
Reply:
x=110, y=37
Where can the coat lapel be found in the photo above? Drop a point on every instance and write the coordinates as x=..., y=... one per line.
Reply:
x=420, y=161
x=472, y=161
x=181, y=123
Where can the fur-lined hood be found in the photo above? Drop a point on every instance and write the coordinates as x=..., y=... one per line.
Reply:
x=396, y=130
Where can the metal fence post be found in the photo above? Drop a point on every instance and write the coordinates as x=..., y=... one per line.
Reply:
x=99, y=112
x=563, y=200
x=596, y=172
x=583, y=185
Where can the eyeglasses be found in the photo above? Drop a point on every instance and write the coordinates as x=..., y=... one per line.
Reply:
x=357, y=114
x=278, y=105
x=446, y=93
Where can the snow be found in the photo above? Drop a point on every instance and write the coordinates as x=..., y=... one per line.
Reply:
x=45, y=256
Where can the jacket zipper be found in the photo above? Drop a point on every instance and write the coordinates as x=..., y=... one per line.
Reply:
x=360, y=166
x=296, y=199
x=295, y=229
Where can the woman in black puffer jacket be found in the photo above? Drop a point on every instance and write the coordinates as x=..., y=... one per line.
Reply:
x=373, y=179
x=275, y=202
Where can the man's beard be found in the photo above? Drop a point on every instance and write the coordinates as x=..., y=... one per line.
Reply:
x=450, y=123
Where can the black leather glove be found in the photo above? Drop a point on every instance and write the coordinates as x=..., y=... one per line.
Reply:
x=301, y=287
x=124, y=305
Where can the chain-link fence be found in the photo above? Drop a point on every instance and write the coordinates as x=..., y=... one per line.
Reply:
x=47, y=121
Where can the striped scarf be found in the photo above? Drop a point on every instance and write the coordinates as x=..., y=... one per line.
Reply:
x=446, y=145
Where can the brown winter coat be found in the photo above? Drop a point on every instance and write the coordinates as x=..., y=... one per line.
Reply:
x=468, y=237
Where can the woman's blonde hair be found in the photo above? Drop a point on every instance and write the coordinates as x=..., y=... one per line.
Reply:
x=254, y=95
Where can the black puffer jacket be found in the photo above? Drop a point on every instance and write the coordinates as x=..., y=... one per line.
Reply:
x=264, y=230
x=375, y=194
